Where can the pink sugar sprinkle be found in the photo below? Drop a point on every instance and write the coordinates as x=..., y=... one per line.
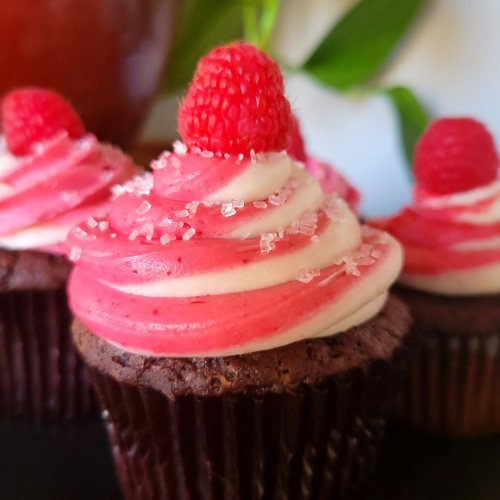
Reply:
x=133, y=235
x=179, y=148
x=304, y=276
x=162, y=161
x=315, y=238
x=227, y=210
x=166, y=238
x=260, y=204
x=92, y=223
x=189, y=234
x=113, y=235
x=206, y=154
x=139, y=184
x=307, y=228
x=116, y=191
x=350, y=266
x=294, y=228
x=103, y=225
x=267, y=243
x=149, y=230
x=192, y=207
x=376, y=254
x=276, y=199
x=143, y=208
x=195, y=150
x=238, y=203
x=79, y=233
x=168, y=224
x=253, y=156
x=365, y=261
x=182, y=213
x=330, y=278
x=74, y=254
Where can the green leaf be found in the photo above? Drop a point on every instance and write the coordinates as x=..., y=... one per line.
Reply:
x=202, y=25
x=360, y=44
x=413, y=118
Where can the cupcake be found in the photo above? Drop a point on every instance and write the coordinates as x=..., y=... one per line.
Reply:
x=451, y=279
x=235, y=319
x=53, y=175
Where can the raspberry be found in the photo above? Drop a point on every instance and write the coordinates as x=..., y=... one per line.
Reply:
x=32, y=115
x=296, y=148
x=236, y=103
x=454, y=155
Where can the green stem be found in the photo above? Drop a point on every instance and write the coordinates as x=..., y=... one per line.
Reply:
x=267, y=22
x=250, y=27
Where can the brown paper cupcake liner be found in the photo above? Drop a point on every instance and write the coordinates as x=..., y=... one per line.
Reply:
x=292, y=445
x=454, y=386
x=41, y=374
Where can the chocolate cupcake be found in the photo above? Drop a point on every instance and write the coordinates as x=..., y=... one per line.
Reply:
x=451, y=280
x=234, y=318
x=52, y=176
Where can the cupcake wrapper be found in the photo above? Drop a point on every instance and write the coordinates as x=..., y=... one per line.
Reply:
x=41, y=374
x=454, y=386
x=292, y=445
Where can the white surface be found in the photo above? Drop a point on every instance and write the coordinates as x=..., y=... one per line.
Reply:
x=450, y=60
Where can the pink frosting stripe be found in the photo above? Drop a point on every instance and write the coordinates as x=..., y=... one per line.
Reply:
x=197, y=175
x=125, y=215
x=121, y=261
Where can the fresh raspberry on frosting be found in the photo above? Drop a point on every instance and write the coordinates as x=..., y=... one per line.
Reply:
x=455, y=155
x=31, y=115
x=236, y=103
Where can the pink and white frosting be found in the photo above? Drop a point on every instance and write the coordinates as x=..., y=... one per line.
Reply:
x=212, y=255
x=62, y=183
x=451, y=242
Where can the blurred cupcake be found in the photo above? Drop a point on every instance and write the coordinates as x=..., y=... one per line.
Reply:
x=53, y=175
x=451, y=279
x=329, y=178
x=234, y=318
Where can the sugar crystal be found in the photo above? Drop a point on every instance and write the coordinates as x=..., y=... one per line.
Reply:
x=260, y=204
x=179, y=148
x=92, y=223
x=189, y=234
x=74, y=254
x=143, y=208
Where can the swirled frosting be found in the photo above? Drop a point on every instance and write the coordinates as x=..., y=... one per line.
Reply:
x=451, y=242
x=62, y=183
x=225, y=255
